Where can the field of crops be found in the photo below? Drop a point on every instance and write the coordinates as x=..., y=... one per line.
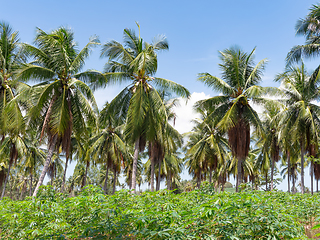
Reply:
x=200, y=214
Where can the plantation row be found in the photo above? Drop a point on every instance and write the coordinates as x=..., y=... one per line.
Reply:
x=200, y=214
x=60, y=112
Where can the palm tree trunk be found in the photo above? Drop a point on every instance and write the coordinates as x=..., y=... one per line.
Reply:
x=311, y=166
x=293, y=182
x=7, y=178
x=169, y=180
x=23, y=189
x=159, y=175
x=272, y=169
x=134, y=166
x=105, y=187
x=239, y=177
x=302, y=166
x=317, y=185
x=152, y=167
x=288, y=158
x=266, y=181
x=84, y=182
x=252, y=182
x=64, y=174
x=52, y=146
x=130, y=178
x=31, y=180
x=199, y=179
x=114, y=179
x=210, y=176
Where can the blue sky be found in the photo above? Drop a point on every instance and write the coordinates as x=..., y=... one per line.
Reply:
x=196, y=31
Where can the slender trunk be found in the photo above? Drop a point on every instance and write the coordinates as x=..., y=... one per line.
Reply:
x=293, y=182
x=134, y=166
x=317, y=185
x=252, y=182
x=84, y=182
x=288, y=158
x=169, y=180
x=159, y=175
x=266, y=181
x=31, y=180
x=23, y=190
x=199, y=179
x=105, y=187
x=114, y=179
x=51, y=147
x=239, y=177
x=130, y=178
x=7, y=178
x=152, y=167
x=302, y=167
x=272, y=169
x=64, y=174
x=210, y=176
x=311, y=166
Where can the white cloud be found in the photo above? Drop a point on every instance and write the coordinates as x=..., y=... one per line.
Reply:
x=185, y=112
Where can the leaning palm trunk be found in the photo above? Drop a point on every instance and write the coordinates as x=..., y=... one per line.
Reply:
x=52, y=146
x=134, y=166
x=7, y=178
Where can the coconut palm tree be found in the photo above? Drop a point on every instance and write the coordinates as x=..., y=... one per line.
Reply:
x=310, y=28
x=107, y=145
x=139, y=103
x=11, y=59
x=63, y=103
x=300, y=119
x=238, y=86
x=269, y=141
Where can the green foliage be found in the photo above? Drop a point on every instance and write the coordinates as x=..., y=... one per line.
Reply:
x=159, y=215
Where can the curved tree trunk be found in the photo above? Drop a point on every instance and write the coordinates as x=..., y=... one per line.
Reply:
x=64, y=175
x=134, y=166
x=105, y=187
x=210, y=176
x=52, y=146
x=7, y=178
